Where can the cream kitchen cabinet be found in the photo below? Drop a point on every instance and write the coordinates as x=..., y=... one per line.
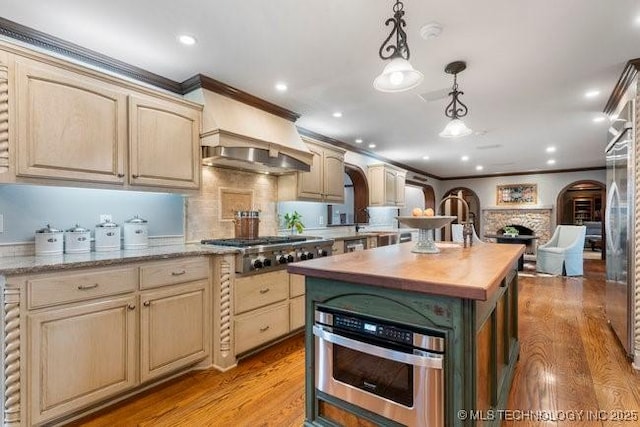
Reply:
x=386, y=185
x=69, y=126
x=80, y=125
x=92, y=334
x=165, y=143
x=324, y=182
x=261, y=309
x=174, y=328
x=296, y=301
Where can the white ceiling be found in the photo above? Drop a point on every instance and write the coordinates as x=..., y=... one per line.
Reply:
x=529, y=64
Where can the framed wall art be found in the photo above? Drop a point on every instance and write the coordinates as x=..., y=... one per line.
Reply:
x=517, y=194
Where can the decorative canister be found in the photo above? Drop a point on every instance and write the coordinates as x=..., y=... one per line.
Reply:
x=49, y=241
x=136, y=233
x=77, y=240
x=247, y=224
x=107, y=237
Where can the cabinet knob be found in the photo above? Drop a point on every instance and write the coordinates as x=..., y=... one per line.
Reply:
x=120, y=175
x=146, y=303
x=134, y=176
x=131, y=306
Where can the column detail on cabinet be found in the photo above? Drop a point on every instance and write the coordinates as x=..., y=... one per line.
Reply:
x=11, y=369
x=223, y=274
x=4, y=119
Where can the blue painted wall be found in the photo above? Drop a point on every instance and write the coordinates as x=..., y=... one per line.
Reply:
x=27, y=208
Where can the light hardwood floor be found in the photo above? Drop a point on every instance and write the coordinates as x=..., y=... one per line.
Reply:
x=569, y=360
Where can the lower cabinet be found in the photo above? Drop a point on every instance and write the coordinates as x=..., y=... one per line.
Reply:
x=94, y=333
x=80, y=355
x=296, y=301
x=260, y=326
x=173, y=329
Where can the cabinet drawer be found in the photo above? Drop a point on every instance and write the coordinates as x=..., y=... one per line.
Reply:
x=296, y=285
x=78, y=286
x=260, y=290
x=254, y=329
x=163, y=273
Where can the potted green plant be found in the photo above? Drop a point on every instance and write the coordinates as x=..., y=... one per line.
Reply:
x=294, y=221
x=510, y=231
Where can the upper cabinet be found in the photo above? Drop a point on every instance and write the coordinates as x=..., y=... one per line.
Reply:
x=165, y=143
x=69, y=127
x=386, y=185
x=81, y=125
x=323, y=183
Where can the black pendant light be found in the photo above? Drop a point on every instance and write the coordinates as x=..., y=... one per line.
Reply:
x=456, y=128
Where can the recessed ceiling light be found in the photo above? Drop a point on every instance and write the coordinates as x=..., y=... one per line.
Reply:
x=464, y=158
x=551, y=162
x=187, y=39
x=598, y=119
x=372, y=145
x=551, y=149
x=281, y=87
x=266, y=172
x=337, y=114
x=591, y=93
x=425, y=157
x=359, y=141
x=479, y=168
x=637, y=20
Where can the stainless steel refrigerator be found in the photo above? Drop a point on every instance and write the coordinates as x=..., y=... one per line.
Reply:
x=619, y=223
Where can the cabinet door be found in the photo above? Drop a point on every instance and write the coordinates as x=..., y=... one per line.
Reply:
x=174, y=328
x=69, y=126
x=400, y=182
x=80, y=355
x=164, y=143
x=310, y=183
x=389, y=187
x=333, y=177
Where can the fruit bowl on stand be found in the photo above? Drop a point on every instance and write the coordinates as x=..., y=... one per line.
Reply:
x=425, y=225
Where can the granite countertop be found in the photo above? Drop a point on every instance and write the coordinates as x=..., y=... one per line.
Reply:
x=474, y=272
x=39, y=264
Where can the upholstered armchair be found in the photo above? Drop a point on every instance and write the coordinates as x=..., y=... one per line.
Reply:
x=563, y=253
x=458, y=237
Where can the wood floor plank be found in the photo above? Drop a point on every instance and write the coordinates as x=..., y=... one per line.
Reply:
x=569, y=361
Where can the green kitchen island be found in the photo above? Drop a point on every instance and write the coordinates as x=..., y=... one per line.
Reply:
x=399, y=338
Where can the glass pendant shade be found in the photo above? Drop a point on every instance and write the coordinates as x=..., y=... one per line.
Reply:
x=455, y=129
x=398, y=75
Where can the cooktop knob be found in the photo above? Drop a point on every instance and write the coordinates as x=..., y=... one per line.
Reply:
x=303, y=256
x=267, y=262
x=323, y=252
x=283, y=259
x=257, y=264
x=309, y=255
x=290, y=258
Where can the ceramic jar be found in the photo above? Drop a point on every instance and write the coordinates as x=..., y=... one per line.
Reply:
x=107, y=237
x=136, y=233
x=77, y=240
x=49, y=241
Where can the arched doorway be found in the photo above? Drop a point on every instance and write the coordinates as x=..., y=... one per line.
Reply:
x=457, y=209
x=360, y=193
x=584, y=203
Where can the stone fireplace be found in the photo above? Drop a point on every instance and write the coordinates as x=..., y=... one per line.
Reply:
x=536, y=219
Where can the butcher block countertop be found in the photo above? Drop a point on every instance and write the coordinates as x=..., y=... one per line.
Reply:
x=470, y=273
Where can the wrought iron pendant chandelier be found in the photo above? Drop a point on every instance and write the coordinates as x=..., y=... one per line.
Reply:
x=456, y=109
x=398, y=75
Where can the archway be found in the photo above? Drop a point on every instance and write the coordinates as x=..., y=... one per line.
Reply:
x=427, y=191
x=583, y=202
x=360, y=193
x=457, y=209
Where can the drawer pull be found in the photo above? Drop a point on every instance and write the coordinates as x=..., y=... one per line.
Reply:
x=264, y=290
x=131, y=306
x=178, y=273
x=264, y=328
x=134, y=176
x=87, y=287
x=120, y=175
x=146, y=303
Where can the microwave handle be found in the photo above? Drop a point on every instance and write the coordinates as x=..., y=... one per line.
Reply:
x=429, y=360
